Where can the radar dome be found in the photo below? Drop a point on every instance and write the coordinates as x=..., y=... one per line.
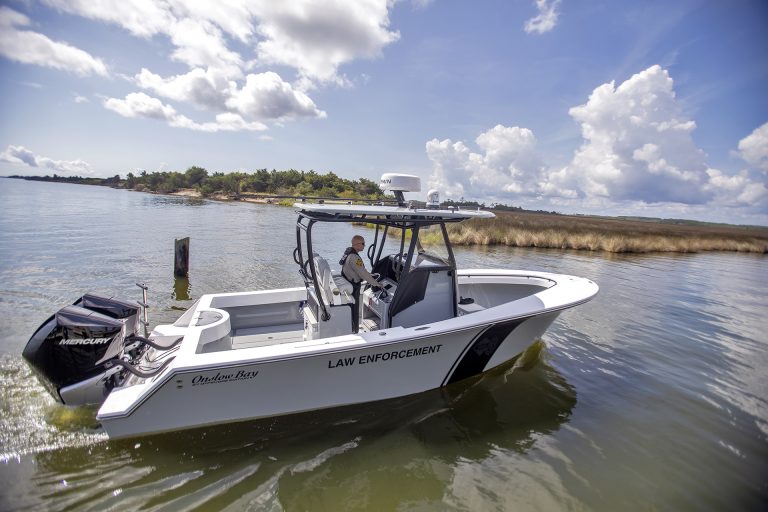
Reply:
x=433, y=199
x=391, y=182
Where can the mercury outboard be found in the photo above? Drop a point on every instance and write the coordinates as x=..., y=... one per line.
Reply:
x=84, y=350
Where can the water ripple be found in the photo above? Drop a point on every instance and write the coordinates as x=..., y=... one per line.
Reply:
x=652, y=396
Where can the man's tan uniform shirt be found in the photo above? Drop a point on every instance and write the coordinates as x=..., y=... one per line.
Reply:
x=354, y=269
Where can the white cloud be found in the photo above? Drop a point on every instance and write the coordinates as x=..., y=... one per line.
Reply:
x=229, y=122
x=450, y=169
x=267, y=96
x=753, y=148
x=638, y=144
x=201, y=43
x=233, y=16
x=637, y=151
x=508, y=163
x=143, y=18
x=264, y=96
x=20, y=155
x=738, y=190
x=30, y=47
x=140, y=105
x=316, y=37
x=313, y=37
x=546, y=19
x=192, y=28
x=206, y=88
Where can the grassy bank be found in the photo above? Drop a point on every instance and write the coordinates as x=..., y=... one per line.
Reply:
x=617, y=235
x=606, y=234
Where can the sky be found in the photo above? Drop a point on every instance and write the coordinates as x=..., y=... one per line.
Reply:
x=608, y=107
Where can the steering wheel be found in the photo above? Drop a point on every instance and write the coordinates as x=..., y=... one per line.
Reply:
x=398, y=260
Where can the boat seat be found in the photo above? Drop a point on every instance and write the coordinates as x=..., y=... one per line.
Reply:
x=336, y=290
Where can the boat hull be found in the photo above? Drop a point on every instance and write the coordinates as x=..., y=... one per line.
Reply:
x=236, y=363
x=253, y=389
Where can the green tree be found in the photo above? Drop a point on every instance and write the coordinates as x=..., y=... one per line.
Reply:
x=304, y=189
x=195, y=176
x=314, y=179
x=258, y=181
x=231, y=183
x=364, y=188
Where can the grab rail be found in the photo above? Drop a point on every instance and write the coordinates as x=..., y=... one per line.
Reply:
x=146, y=341
x=135, y=371
x=144, y=303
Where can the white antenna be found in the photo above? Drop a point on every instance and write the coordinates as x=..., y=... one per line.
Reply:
x=433, y=199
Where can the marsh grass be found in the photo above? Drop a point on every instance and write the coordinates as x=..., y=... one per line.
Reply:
x=606, y=234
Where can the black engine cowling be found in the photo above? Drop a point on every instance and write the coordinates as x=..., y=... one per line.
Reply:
x=72, y=351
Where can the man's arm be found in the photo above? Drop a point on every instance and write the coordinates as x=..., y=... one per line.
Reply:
x=362, y=273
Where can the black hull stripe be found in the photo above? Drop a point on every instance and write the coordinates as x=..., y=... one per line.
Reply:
x=480, y=350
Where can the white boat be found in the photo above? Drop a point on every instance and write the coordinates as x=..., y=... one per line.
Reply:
x=241, y=356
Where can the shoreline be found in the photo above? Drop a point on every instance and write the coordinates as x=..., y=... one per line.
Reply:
x=584, y=233
x=195, y=194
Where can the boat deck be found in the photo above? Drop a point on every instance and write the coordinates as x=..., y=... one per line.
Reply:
x=268, y=335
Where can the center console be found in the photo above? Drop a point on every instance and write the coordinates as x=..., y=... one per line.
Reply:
x=376, y=302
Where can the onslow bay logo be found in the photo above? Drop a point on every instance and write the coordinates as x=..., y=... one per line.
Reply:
x=84, y=341
x=201, y=380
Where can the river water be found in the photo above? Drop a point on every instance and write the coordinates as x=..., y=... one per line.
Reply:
x=654, y=396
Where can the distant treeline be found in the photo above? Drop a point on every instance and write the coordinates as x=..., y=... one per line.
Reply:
x=278, y=183
x=290, y=182
x=461, y=203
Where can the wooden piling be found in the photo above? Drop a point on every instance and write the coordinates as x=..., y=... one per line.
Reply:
x=181, y=259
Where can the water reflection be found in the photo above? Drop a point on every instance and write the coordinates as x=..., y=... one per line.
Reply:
x=502, y=409
x=433, y=436
x=354, y=455
x=163, y=201
x=181, y=288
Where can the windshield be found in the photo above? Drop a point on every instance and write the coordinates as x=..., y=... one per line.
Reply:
x=431, y=244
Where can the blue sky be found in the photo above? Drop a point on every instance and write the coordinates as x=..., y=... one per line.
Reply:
x=651, y=108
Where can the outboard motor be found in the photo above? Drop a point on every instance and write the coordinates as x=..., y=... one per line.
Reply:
x=77, y=352
x=128, y=312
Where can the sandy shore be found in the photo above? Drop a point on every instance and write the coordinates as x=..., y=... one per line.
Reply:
x=186, y=192
x=191, y=192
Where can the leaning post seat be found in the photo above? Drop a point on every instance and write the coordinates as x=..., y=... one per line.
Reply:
x=337, y=293
x=336, y=290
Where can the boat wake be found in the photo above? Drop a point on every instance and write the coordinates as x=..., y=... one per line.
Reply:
x=32, y=422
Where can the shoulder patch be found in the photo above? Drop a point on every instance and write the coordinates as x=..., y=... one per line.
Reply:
x=359, y=262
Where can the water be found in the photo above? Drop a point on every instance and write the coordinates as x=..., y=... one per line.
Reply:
x=652, y=396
